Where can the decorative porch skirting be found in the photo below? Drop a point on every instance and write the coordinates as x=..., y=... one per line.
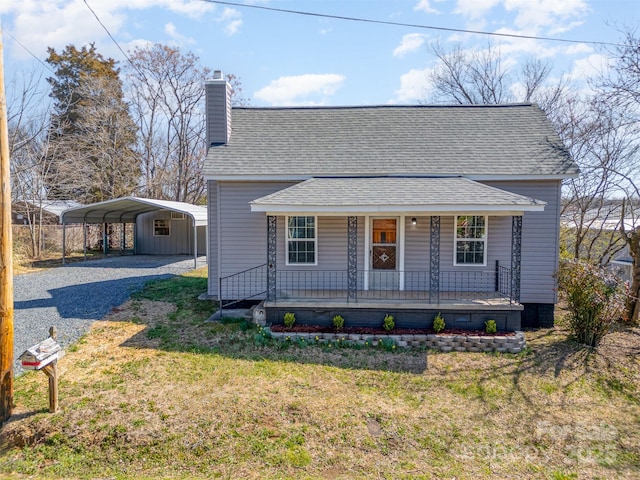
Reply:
x=444, y=343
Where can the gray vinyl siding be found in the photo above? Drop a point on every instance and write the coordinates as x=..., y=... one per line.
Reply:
x=241, y=241
x=417, y=240
x=540, y=233
x=178, y=242
x=454, y=277
x=331, y=269
x=212, y=221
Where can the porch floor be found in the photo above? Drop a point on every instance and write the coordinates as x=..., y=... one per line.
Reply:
x=392, y=299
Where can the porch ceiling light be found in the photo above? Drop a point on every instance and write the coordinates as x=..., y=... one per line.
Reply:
x=414, y=221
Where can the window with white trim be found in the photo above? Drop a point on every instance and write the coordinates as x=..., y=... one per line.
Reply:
x=301, y=240
x=470, y=244
x=161, y=227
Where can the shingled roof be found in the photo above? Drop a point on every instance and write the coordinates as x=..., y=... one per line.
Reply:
x=473, y=141
x=401, y=194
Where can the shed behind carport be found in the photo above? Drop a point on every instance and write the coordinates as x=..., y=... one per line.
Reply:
x=161, y=227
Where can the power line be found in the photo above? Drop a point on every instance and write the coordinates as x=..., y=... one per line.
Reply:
x=411, y=25
x=108, y=32
x=31, y=53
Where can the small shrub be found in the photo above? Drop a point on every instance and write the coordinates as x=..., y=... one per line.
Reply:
x=289, y=319
x=387, y=344
x=490, y=326
x=338, y=322
x=388, y=323
x=438, y=323
x=595, y=300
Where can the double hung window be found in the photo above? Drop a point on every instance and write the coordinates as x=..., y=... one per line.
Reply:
x=470, y=240
x=301, y=241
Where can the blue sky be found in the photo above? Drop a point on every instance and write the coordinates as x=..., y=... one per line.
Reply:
x=287, y=59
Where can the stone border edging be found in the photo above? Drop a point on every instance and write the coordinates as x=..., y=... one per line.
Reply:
x=444, y=343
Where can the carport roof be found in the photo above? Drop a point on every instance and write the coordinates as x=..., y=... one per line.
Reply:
x=127, y=209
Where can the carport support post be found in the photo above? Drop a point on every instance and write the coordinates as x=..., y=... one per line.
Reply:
x=84, y=239
x=104, y=239
x=64, y=242
x=195, y=244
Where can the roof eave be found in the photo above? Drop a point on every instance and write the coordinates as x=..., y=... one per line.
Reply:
x=497, y=210
x=299, y=178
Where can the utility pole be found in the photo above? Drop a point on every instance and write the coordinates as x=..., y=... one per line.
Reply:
x=6, y=259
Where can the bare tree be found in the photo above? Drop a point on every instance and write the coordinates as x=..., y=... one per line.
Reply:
x=28, y=112
x=481, y=77
x=620, y=87
x=591, y=203
x=166, y=90
x=167, y=94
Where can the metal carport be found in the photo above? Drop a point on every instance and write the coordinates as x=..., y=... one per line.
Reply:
x=127, y=210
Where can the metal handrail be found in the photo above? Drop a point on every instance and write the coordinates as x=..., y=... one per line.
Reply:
x=246, y=285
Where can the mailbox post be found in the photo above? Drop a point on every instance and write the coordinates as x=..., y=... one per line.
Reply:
x=44, y=356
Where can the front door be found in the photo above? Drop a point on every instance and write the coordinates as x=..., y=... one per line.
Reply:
x=384, y=247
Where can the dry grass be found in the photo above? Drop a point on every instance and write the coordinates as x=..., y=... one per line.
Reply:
x=150, y=394
x=25, y=264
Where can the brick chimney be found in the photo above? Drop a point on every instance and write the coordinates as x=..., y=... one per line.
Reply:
x=218, y=114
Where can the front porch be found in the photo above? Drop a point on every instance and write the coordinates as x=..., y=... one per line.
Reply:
x=467, y=301
x=378, y=248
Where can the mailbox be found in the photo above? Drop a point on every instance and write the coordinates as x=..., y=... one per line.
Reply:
x=41, y=355
x=44, y=357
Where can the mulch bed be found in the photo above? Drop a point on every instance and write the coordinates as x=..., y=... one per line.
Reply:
x=380, y=331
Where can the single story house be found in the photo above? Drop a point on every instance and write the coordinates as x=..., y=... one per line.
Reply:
x=160, y=227
x=364, y=211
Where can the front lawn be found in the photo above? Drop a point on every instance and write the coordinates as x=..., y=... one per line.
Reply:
x=154, y=391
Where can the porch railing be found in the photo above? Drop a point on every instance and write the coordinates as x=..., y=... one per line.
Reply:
x=395, y=285
x=333, y=284
x=247, y=285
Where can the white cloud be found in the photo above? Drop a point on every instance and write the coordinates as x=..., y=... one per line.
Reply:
x=578, y=49
x=178, y=38
x=475, y=8
x=233, y=20
x=546, y=13
x=554, y=16
x=414, y=87
x=588, y=67
x=424, y=6
x=308, y=89
x=410, y=43
x=57, y=23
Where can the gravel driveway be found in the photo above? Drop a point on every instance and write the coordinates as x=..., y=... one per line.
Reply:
x=74, y=296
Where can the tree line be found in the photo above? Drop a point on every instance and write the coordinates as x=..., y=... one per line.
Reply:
x=110, y=132
x=101, y=132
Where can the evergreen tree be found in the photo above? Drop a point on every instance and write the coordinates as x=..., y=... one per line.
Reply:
x=92, y=135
